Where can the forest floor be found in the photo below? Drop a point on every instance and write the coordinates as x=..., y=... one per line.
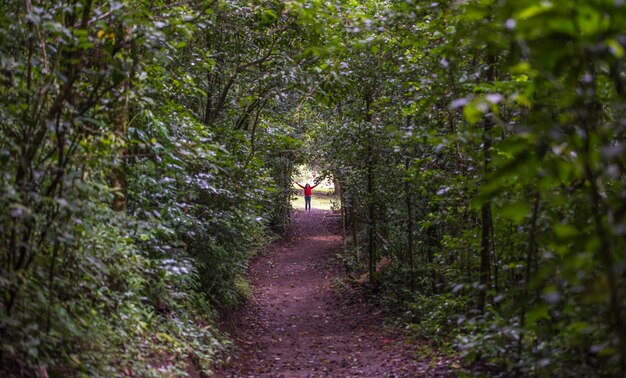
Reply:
x=304, y=321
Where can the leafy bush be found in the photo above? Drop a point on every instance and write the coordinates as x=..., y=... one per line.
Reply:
x=133, y=190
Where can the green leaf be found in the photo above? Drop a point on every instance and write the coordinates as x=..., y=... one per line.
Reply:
x=616, y=48
x=537, y=313
x=515, y=211
x=535, y=10
x=474, y=111
x=565, y=231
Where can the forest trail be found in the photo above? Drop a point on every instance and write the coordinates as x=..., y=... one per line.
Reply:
x=298, y=325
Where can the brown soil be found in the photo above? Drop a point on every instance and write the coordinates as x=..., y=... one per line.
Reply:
x=301, y=322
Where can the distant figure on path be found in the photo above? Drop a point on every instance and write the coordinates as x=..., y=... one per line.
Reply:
x=307, y=195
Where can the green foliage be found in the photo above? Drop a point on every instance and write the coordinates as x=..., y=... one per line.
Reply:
x=147, y=151
x=146, y=154
x=478, y=146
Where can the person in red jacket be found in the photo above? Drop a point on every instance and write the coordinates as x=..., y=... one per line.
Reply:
x=307, y=195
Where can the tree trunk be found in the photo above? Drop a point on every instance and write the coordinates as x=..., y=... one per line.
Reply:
x=119, y=184
x=486, y=227
x=409, y=231
x=371, y=216
x=355, y=231
x=531, y=255
x=590, y=116
x=485, y=210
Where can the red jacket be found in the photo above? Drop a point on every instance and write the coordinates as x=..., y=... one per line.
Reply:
x=307, y=191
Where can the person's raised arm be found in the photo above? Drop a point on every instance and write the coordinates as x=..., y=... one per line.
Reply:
x=316, y=182
x=299, y=185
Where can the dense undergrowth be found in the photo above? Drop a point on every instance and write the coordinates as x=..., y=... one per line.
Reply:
x=479, y=148
x=134, y=187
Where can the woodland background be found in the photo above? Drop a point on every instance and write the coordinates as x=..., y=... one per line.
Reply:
x=147, y=149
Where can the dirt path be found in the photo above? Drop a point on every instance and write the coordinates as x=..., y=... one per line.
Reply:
x=298, y=325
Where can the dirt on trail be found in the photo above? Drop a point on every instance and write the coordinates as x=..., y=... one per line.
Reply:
x=298, y=324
